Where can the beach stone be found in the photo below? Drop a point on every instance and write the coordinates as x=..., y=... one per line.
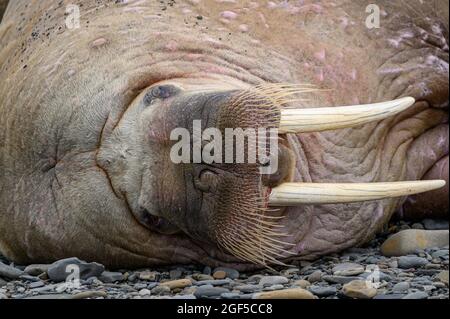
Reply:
x=401, y=287
x=219, y=282
x=2, y=283
x=208, y=291
x=160, y=290
x=417, y=226
x=9, y=271
x=441, y=253
x=315, y=276
x=341, y=279
x=323, y=291
x=273, y=280
x=302, y=283
x=59, y=271
x=180, y=283
x=443, y=277
x=231, y=273
x=359, y=289
x=230, y=295
x=435, y=224
x=248, y=288
x=416, y=295
x=292, y=293
x=220, y=274
x=406, y=262
x=202, y=277
x=409, y=241
x=110, y=277
x=348, y=269
x=37, y=269
x=145, y=292
x=36, y=284
x=90, y=294
x=148, y=275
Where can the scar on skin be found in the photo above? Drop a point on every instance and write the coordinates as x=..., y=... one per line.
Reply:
x=99, y=43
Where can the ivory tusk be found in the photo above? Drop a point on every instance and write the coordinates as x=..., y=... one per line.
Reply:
x=332, y=118
x=292, y=194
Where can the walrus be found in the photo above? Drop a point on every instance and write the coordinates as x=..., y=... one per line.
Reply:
x=88, y=102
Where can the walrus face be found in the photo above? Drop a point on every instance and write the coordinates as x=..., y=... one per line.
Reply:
x=171, y=187
x=217, y=201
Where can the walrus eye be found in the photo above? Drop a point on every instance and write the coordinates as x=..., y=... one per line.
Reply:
x=159, y=92
x=207, y=181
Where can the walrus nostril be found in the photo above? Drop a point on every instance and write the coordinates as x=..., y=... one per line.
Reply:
x=156, y=223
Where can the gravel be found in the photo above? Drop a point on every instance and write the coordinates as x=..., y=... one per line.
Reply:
x=356, y=273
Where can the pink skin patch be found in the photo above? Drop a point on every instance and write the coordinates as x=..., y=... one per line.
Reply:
x=320, y=76
x=320, y=55
x=229, y=15
x=99, y=42
x=243, y=28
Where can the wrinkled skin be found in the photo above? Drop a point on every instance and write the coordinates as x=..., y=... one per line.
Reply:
x=83, y=160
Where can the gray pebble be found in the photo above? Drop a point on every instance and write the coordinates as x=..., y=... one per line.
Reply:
x=60, y=270
x=110, y=277
x=208, y=291
x=340, y=279
x=315, y=276
x=220, y=282
x=37, y=284
x=9, y=272
x=407, y=262
x=273, y=280
x=323, y=291
x=401, y=287
x=248, y=288
x=231, y=273
x=347, y=269
x=416, y=295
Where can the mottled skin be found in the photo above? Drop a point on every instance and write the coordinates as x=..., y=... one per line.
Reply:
x=71, y=102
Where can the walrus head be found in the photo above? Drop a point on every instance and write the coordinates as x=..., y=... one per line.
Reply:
x=189, y=185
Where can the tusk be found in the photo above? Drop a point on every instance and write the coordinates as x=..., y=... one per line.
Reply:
x=291, y=194
x=332, y=118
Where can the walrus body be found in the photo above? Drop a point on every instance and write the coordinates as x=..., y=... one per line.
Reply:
x=69, y=182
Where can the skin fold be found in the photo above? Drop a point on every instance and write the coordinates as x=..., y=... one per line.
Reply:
x=84, y=166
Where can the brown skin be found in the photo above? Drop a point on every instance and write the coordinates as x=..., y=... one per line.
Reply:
x=77, y=175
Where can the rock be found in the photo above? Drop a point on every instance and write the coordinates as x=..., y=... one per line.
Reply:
x=202, y=277
x=37, y=269
x=315, y=276
x=292, y=293
x=90, y=294
x=209, y=291
x=175, y=274
x=220, y=282
x=51, y=296
x=61, y=269
x=348, y=269
x=359, y=289
x=443, y=277
x=145, y=292
x=248, y=288
x=37, y=284
x=2, y=283
x=220, y=274
x=409, y=241
x=273, y=280
x=435, y=224
x=391, y=296
x=440, y=254
x=111, y=277
x=180, y=283
x=207, y=270
x=416, y=295
x=417, y=226
x=401, y=287
x=231, y=273
x=161, y=290
x=323, y=291
x=9, y=272
x=3, y=296
x=406, y=262
x=340, y=279
x=302, y=283
x=148, y=275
